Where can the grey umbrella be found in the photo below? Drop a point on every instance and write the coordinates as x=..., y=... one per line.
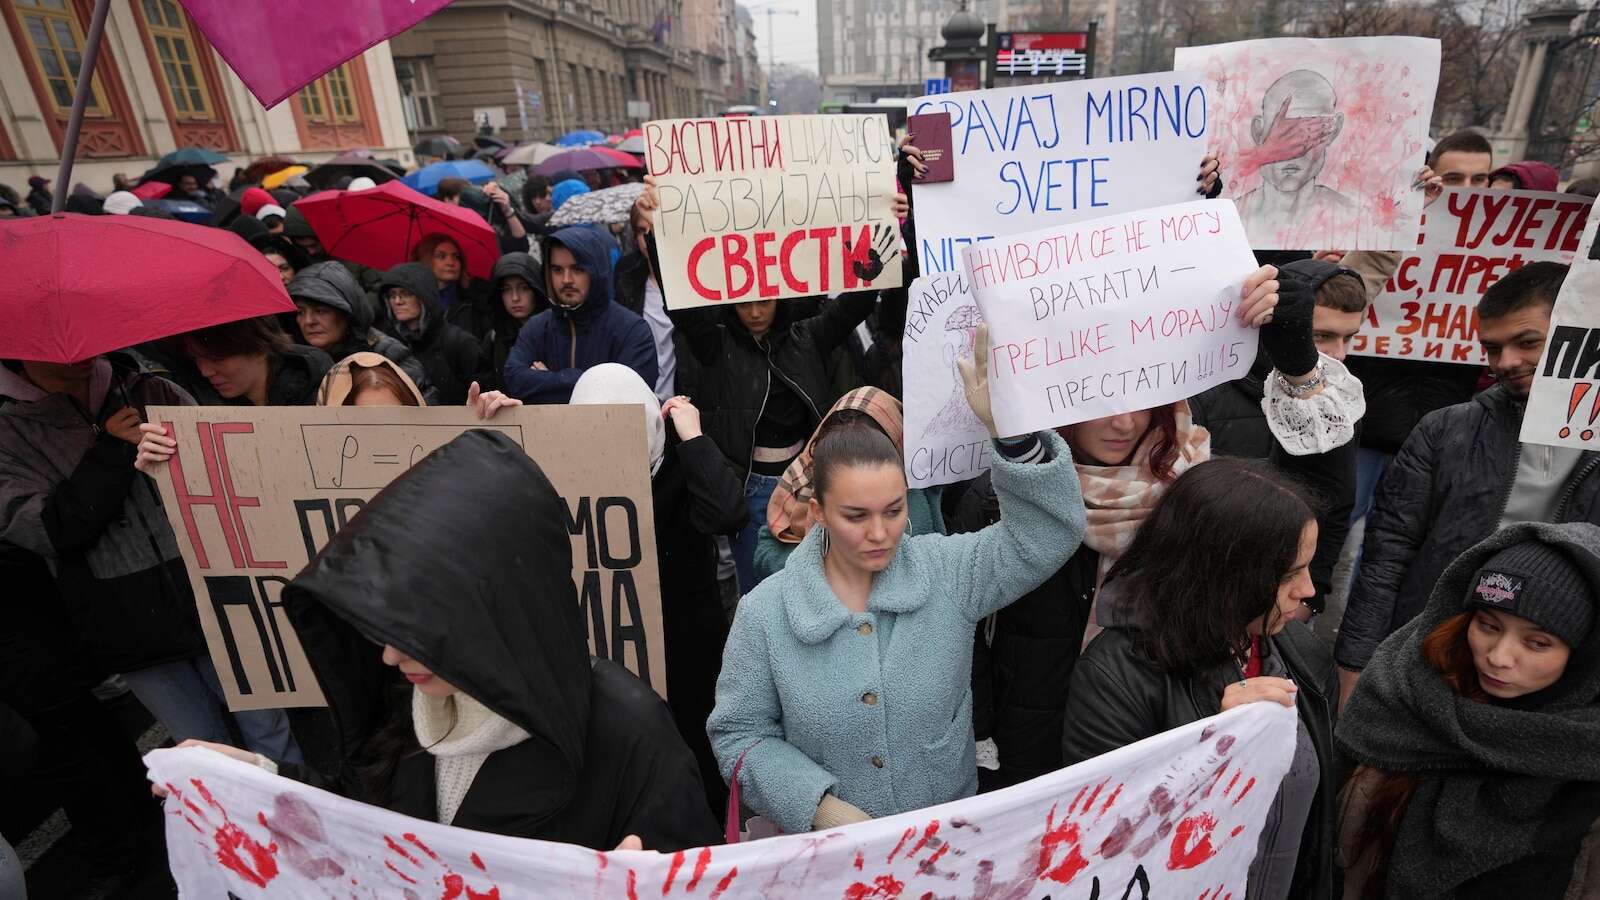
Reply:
x=603, y=207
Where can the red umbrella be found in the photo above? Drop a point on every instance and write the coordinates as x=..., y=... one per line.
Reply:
x=152, y=190
x=381, y=226
x=66, y=303
x=588, y=158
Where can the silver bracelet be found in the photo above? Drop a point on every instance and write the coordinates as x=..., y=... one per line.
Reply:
x=1304, y=389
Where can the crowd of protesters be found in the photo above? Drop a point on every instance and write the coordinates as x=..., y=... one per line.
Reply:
x=838, y=647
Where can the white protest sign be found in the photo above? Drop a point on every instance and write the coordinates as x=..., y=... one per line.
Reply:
x=1118, y=314
x=767, y=207
x=945, y=440
x=1564, y=406
x=1036, y=155
x=1176, y=815
x=1471, y=238
x=1321, y=140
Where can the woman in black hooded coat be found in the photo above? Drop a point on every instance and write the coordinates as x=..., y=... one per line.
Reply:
x=602, y=760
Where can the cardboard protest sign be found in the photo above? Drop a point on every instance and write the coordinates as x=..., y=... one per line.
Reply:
x=1564, y=406
x=1116, y=314
x=1175, y=815
x=254, y=493
x=768, y=207
x=945, y=441
x=1321, y=140
x=1471, y=238
x=1040, y=155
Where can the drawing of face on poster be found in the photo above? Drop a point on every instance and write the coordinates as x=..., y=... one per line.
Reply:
x=945, y=440
x=1320, y=140
x=955, y=416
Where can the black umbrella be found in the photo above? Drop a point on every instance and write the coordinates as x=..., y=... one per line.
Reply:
x=169, y=173
x=443, y=146
x=485, y=142
x=347, y=165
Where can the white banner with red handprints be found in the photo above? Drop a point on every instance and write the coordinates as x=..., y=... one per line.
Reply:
x=1176, y=815
x=1563, y=405
x=1471, y=238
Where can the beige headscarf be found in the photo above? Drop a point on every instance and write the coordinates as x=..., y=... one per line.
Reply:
x=341, y=379
x=796, y=481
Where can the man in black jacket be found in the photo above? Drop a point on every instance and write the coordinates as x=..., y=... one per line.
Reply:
x=1463, y=474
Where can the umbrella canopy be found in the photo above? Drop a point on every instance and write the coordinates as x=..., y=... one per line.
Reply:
x=191, y=156
x=66, y=303
x=488, y=142
x=152, y=190
x=633, y=132
x=427, y=178
x=325, y=175
x=604, y=207
x=381, y=226
x=633, y=143
x=585, y=159
x=579, y=139
x=443, y=146
x=184, y=210
x=277, y=179
x=531, y=154
x=171, y=173
x=261, y=168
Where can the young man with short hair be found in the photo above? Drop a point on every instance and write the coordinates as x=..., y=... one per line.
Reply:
x=1464, y=473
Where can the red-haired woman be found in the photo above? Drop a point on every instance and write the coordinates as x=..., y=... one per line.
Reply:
x=1477, y=730
x=1025, y=654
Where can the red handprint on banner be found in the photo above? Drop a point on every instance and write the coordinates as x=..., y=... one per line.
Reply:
x=235, y=849
x=415, y=863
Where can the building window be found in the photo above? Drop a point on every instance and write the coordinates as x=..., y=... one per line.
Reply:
x=418, y=91
x=56, y=42
x=330, y=100
x=179, y=60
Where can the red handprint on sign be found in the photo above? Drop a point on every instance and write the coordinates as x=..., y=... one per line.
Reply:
x=415, y=863
x=236, y=850
x=1066, y=838
x=1192, y=838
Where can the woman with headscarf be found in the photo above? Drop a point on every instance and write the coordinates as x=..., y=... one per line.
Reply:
x=504, y=723
x=697, y=495
x=789, y=510
x=1477, y=731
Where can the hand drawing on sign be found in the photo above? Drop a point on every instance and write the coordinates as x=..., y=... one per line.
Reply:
x=1298, y=121
x=956, y=416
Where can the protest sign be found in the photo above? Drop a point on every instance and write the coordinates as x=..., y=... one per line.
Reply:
x=1321, y=140
x=945, y=441
x=254, y=493
x=274, y=61
x=1471, y=238
x=1113, y=315
x=768, y=207
x=1039, y=155
x=1563, y=405
x=1178, y=814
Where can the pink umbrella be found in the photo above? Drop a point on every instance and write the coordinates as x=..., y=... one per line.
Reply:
x=152, y=190
x=382, y=226
x=586, y=159
x=64, y=304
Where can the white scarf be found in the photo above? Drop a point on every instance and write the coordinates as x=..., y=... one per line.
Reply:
x=460, y=733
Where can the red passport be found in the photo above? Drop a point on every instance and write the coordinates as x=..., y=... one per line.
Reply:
x=930, y=133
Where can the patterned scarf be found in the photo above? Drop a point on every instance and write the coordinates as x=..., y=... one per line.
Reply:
x=796, y=481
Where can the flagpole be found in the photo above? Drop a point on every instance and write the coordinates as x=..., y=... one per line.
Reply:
x=80, y=99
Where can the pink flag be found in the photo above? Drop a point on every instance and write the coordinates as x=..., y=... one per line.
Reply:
x=278, y=48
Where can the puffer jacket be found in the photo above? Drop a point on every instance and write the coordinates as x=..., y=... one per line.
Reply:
x=569, y=341
x=736, y=370
x=448, y=354
x=1232, y=413
x=1400, y=392
x=1119, y=697
x=69, y=493
x=332, y=285
x=1444, y=492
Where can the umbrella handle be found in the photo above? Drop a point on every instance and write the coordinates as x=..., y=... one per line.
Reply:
x=80, y=100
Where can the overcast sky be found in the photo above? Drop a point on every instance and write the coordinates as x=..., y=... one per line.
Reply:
x=794, y=40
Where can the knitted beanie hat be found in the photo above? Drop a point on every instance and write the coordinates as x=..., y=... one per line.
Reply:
x=1538, y=582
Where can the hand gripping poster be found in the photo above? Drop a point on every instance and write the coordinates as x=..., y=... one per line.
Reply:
x=1320, y=141
x=1175, y=815
x=1564, y=404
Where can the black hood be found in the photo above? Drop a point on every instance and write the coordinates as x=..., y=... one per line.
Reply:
x=1312, y=273
x=501, y=623
x=592, y=250
x=418, y=279
x=520, y=265
x=331, y=284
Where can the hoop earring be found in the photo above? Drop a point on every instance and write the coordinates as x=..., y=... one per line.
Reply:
x=826, y=542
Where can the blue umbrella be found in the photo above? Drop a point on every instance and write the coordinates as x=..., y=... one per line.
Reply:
x=187, y=210
x=191, y=156
x=426, y=180
x=580, y=139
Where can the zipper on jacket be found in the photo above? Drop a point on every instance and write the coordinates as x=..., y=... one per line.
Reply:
x=573, y=327
x=1511, y=483
x=1572, y=486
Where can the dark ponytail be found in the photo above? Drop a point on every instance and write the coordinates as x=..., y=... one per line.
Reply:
x=849, y=444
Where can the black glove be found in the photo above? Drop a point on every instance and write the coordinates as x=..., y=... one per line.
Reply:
x=1288, y=337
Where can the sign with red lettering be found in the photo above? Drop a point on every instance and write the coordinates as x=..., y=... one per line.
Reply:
x=1113, y=315
x=1563, y=404
x=769, y=207
x=1177, y=815
x=1471, y=238
x=254, y=493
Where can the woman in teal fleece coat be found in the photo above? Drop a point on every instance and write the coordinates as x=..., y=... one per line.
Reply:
x=845, y=686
